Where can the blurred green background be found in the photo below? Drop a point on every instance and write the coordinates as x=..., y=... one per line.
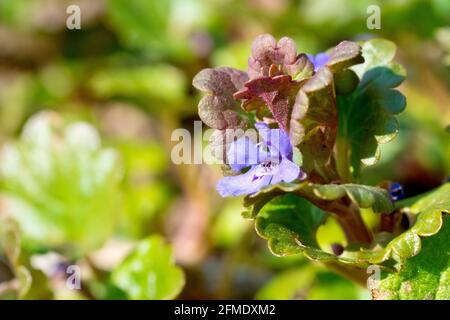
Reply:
x=86, y=118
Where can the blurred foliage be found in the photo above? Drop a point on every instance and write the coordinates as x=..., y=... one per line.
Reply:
x=58, y=184
x=92, y=174
x=149, y=273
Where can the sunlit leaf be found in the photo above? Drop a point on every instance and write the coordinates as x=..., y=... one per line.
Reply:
x=149, y=272
x=159, y=28
x=367, y=116
x=363, y=196
x=139, y=82
x=425, y=276
x=430, y=211
x=60, y=184
x=290, y=284
x=287, y=220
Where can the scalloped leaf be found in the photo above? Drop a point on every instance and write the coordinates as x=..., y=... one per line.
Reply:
x=289, y=223
x=288, y=220
x=344, y=55
x=363, y=196
x=425, y=276
x=256, y=201
x=277, y=221
x=367, y=116
x=314, y=121
x=277, y=93
x=149, y=272
x=218, y=109
x=430, y=210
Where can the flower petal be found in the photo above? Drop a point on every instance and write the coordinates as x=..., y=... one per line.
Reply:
x=319, y=60
x=277, y=140
x=242, y=184
x=287, y=171
x=243, y=153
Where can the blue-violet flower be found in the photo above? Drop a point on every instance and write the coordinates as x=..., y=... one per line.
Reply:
x=396, y=191
x=268, y=162
x=318, y=60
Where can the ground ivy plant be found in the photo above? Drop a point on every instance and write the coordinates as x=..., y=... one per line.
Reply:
x=319, y=119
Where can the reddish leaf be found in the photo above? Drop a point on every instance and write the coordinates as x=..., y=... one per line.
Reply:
x=277, y=93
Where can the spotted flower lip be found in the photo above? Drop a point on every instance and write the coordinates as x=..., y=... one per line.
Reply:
x=319, y=60
x=269, y=162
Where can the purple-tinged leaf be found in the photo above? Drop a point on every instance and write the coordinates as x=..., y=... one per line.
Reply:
x=217, y=109
x=314, y=121
x=344, y=55
x=277, y=93
x=271, y=58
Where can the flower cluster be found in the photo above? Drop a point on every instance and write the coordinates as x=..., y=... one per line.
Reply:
x=268, y=162
x=290, y=95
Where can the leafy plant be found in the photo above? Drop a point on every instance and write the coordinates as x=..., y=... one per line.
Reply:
x=333, y=110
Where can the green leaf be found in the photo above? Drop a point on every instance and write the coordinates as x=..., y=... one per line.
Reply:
x=256, y=201
x=331, y=286
x=289, y=284
x=376, y=52
x=25, y=280
x=142, y=199
x=60, y=185
x=139, y=82
x=228, y=228
x=287, y=221
x=363, y=196
x=425, y=276
x=281, y=219
x=429, y=210
x=310, y=282
x=314, y=119
x=345, y=81
x=149, y=272
x=367, y=116
x=156, y=27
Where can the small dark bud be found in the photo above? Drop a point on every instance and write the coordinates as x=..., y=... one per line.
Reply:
x=337, y=248
x=396, y=191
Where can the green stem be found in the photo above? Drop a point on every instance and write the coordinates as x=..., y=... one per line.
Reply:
x=343, y=163
x=352, y=223
x=354, y=274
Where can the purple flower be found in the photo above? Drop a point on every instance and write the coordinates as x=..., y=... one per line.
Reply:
x=396, y=191
x=319, y=60
x=268, y=162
